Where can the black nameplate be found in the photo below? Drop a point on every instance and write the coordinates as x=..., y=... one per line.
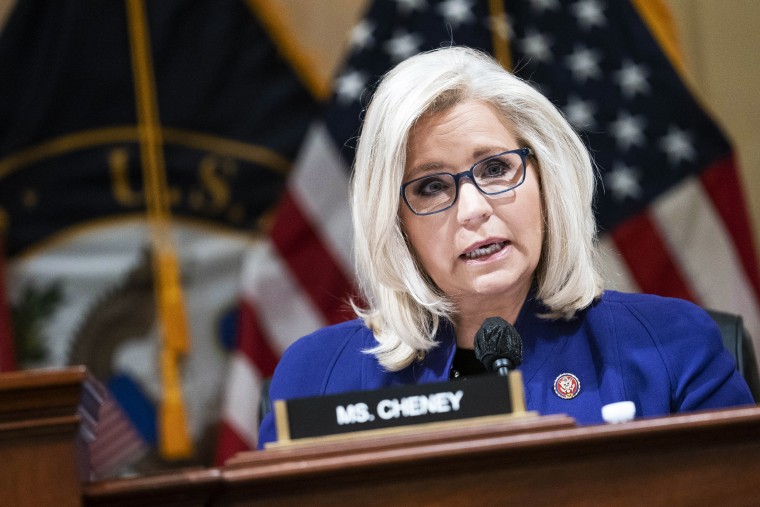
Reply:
x=394, y=406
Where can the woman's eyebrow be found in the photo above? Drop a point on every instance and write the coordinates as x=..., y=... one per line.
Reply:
x=427, y=167
x=482, y=152
x=478, y=154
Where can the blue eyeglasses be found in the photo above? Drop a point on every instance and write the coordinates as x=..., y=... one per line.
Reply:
x=494, y=175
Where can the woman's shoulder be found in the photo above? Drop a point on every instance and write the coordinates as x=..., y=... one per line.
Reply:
x=679, y=333
x=306, y=367
x=657, y=311
x=327, y=342
x=334, y=332
x=652, y=330
x=641, y=299
x=307, y=364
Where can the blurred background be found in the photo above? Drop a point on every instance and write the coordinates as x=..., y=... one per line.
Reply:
x=717, y=40
x=173, y=178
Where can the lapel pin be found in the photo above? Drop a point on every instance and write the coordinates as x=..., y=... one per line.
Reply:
x=567, y=386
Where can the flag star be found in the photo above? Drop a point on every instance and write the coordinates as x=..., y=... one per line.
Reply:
x=584, y=63
x=632, y=79
x=589, y=14
x=361, y=35
x=402, y=45
x=349, y=86
x=405, y=7
x=628, y=130
x=624, y=182
x=456, y=12
x=536, y=45
x=544, y=5
x=678, y=145
x=580, y=112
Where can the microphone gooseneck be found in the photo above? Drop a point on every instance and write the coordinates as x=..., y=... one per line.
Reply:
x=498, y=345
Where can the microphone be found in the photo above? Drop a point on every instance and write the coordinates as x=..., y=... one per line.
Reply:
x=498, y=346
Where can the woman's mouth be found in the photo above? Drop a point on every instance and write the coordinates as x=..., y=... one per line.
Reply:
x=485, y=250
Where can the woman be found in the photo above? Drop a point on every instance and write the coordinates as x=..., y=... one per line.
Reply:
x=472, y=197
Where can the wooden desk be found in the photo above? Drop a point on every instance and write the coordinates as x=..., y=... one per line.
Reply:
x=46, y=419
x=709, y=458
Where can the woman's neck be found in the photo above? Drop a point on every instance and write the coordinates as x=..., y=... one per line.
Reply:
x=470, y=316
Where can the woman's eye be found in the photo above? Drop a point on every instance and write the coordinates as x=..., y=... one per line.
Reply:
x=496, y=169
x=429, y=187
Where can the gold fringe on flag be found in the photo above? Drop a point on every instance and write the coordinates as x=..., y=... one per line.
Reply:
x=171, y=302
x=500, y=33
x=660, y=21
x=174, y=439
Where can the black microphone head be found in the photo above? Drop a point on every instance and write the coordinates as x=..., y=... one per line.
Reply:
x=498, y=339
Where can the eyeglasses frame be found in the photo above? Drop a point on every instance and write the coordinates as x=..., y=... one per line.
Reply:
x=523, y=152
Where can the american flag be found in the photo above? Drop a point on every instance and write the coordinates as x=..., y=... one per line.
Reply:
x=669, y=206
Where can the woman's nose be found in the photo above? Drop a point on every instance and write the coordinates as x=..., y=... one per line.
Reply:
x=472, y=205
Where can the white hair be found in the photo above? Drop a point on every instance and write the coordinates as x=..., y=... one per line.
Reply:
x=402, y=305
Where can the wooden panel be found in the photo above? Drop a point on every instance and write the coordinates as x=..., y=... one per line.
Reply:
x=26, y=395
x=43, y=457
x=182, y=488
x=703, y=458
x=708, y=458
x=39, y=465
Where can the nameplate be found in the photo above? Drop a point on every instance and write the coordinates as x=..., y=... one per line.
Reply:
x=483, y=395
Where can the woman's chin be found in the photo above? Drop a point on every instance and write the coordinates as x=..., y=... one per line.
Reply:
x=496, y=287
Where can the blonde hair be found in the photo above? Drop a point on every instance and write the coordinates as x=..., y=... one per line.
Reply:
x=404, y=309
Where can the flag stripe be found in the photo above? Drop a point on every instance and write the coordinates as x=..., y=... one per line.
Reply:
x=695, y=233
x=116, y=441
x=252, y=344
x=229, y=443
x=616, y=274
x=124, y=439
x=320, y=184
x=310, y=262
x=721, y=181
x=283, y=311
x=241, y=402
x=639, y=242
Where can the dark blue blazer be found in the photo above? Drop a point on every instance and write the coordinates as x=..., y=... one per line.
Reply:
x=666, y=355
